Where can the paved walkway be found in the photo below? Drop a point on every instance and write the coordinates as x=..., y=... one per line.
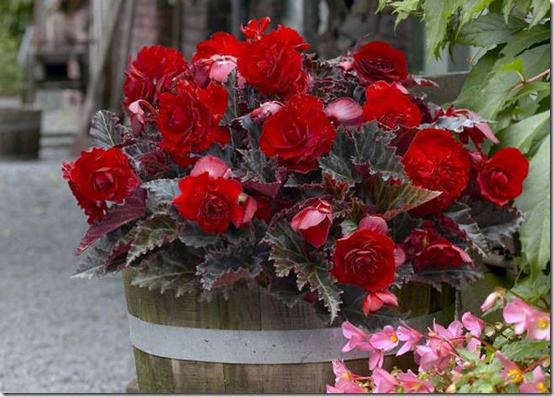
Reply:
x=57, y=335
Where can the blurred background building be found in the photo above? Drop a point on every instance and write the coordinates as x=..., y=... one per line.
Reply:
x=68, y=56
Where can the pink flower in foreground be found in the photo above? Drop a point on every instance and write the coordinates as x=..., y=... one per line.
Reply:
x=385, y=340
x=410, y=383
x=438, y=352
x=384, y=381
x=517, y=312
x=489, y=301
x=538, y=325
x=511, y=372
x=537, y=384
x=473, y=324
x=409, y=336
x=376, y=359
x=357, y=338
x=344, y=380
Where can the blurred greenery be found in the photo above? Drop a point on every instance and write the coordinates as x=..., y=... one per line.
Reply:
x=15, y=15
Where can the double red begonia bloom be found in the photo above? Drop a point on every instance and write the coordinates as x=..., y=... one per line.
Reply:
x=216, y=57
x=273, y=64
x=99, y=176
x=189, y=120
x=211, y=199
x=314, y=222
x=388, y=105
x=436, y=161
x=425, y=248
x=298, y=134
x=501, y=176
x=377, y=60
x=151, y=73
x=365, y=259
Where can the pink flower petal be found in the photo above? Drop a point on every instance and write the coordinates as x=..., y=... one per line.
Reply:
x=375, y=223
x=213, y=166
x=345, y=111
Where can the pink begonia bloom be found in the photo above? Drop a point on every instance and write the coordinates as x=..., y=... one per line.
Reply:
x=357, y=338
x=384, y=381
x=409, y=336
x=437, y=353
x=376, y=359
x=538, y=325
x=344, y=380
x=410, y=383
x=385, y=340
x=511, y=372
x=489, y=301
x=537, y=385
x=473, y=324
x=517, y=312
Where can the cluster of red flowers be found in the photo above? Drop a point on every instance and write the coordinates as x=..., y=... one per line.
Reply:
x=265, y=78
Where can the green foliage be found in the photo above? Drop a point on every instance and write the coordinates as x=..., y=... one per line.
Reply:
x=289, y=255
x=535, y=202
x=509, y=85
x=152, y=233
x=173, y=271
x=106, y=130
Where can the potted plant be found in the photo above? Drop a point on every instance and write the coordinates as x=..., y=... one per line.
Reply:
x=260, y=197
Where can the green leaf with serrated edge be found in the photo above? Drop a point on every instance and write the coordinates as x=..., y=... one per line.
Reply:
x=336, y=163
x=535, y=204
x=392, y=199
x=172, y=269
x=533, y=289
x=460, y=213
x=160, y=193
x=456, y=277
x=526, y=350
x=372, y=148
x=222, y=268
x=152, y=233
x=93, y=262
x=539, y=10
x=437, y=14
x=496, y=223
x=525, y=134
x=105, y=129
x=191, y=235
x=367, y=150
x=488, y=30
x=289, y=255
x=526, y=39
x=232, y=111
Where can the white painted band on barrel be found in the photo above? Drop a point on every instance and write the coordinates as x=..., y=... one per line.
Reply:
x=248, y=346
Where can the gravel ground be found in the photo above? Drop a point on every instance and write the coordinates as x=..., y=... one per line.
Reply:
x=58, y=335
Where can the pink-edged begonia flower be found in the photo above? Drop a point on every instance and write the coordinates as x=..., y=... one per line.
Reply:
x=374, y=301
x=473, y=324
x=489, y=301
x=511, y=372
x=410, y=383
x=409, y=336
x=538, y=325
x=344, y=380
x=357, y=338
x=384, y=381
x=385, y=340
x=536, y=385
x=517, y=312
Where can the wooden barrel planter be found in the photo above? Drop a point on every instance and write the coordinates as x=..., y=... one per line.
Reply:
x=251, y=342
x=19, y=133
